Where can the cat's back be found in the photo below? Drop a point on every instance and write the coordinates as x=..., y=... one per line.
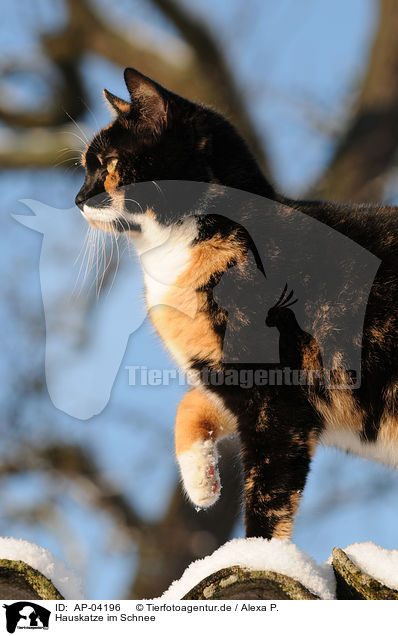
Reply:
x=374, y=227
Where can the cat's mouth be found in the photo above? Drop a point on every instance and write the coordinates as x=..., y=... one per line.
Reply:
x=109, y=219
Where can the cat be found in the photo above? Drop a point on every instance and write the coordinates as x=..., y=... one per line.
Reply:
x=198, y=158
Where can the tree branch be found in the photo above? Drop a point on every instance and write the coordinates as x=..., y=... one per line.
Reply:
x=211, y=62
x=205, y=76
x=368, y=148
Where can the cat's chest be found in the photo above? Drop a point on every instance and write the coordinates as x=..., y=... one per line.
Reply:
x=176, y=269
x=171, y=271
x=164, y=253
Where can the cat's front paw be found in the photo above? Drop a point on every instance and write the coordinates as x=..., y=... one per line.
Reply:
x=199, y=473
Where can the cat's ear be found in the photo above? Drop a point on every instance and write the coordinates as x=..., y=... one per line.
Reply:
x=148, y=98
x=119, y=105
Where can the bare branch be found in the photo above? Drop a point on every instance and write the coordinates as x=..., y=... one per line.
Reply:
x=215, y=70
x=368, y=147
x=39, y=147
x=204, y=76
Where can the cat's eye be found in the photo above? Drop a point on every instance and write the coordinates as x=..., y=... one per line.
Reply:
x=111, y=165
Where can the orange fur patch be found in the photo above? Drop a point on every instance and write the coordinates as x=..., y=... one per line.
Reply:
x=341, y=413
x=198, y=419
x=284, y=527
x=111, y=182
x=388, y=431
x=183, y=320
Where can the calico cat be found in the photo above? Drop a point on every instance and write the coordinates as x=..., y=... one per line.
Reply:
x=198, y=157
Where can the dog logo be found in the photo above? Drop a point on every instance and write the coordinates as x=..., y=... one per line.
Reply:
x=26, y=615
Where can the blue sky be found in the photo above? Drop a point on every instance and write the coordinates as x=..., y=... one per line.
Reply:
x=295, y=63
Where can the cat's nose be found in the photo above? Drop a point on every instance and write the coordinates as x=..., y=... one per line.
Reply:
x=80, y=199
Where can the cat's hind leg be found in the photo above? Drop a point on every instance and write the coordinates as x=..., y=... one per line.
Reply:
x=199, y=424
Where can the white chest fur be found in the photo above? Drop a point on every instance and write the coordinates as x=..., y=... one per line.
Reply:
x=164, y=253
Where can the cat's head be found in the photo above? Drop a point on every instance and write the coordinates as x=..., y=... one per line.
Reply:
x=156, y=136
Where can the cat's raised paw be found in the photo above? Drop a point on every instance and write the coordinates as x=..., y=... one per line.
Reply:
x=199, y=473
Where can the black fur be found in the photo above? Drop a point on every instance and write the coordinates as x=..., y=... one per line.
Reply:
x=162, y=136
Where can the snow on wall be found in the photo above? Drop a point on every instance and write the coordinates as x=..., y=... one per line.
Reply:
x=379, y=563
x=278, y=555
x=66, y=582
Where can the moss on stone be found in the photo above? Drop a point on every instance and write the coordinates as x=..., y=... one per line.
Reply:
x=242, y=584
x=353, y=584
x=20, y=581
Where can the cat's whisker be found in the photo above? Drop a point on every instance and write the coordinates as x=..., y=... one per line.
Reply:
x=74, y=134
x=108, y=264
x=102, y=263
x=136, y=202
x=67, y=160
x=90, y=260
x=70, y=158
x=82, y=256
x=77, y=126
x=91, y=252
x=87, y=107
x=84, y=245
x=86, y=259
x=82, y=253
x=124, y=215
x=158, y=188
x=93, y=259
x=107, y=253
x=63, y=151
x=97, y=262
x=116, y=239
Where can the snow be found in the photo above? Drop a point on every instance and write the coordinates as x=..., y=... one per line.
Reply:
x=278, y=555
x=379, y=563
x=66, y=582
